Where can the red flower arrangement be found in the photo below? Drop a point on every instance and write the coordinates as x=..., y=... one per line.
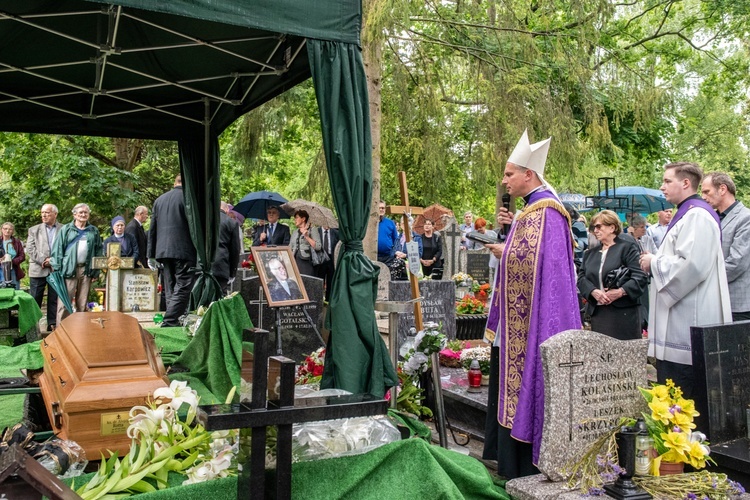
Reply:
x=482, y=292
x=249, y=263
x=310, y=371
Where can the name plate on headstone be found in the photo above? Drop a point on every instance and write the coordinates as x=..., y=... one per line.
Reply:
x=438, y=305
x=478, y=265
x=590, y=382
x=139, y=288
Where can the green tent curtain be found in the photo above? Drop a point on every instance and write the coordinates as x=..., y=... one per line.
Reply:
x=200, y=177
x=356, y=357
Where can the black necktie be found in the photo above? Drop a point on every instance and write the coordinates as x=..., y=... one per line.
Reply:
x=326, y=242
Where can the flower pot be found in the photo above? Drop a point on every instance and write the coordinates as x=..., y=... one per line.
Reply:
x=485, y=380
x=470, y=326
x=671, y=468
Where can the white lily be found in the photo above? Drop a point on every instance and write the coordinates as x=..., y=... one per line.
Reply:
x=199, y=474
x=179, y=392
x=146, y=421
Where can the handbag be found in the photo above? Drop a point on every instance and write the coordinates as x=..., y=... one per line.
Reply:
x=318, y=257
x=616, y=278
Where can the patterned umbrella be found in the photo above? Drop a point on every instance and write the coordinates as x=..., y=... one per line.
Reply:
x=635, y=199
x=319, y=215
x=437, y=213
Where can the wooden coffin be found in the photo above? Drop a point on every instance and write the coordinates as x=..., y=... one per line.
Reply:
x=97, y=366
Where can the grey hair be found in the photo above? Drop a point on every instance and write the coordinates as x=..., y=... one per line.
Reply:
x=80, y=206
x=51, y=206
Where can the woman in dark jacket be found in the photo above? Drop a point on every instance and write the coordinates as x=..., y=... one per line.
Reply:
x=432, y=249
x=615, y=310
x=13, y=251
x=128, y=243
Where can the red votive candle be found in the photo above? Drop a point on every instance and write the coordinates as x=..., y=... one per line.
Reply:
x=475, y=377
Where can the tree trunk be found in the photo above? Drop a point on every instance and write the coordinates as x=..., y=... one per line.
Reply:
x=372, y=58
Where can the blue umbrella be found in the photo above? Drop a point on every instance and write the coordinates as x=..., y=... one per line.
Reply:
x=634, y=199
x=577, y=200
x=255, y=205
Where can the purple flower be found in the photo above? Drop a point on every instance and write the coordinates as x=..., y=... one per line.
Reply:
x=691, y=496
x=676, y=429
x=595, y=492
x=737, y=487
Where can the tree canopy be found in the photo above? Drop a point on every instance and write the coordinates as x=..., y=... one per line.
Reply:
x=622, y=88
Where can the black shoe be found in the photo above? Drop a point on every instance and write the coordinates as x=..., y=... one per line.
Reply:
x=51, y=328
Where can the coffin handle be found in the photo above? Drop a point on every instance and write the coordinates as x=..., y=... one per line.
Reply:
x=62, y=381
x=56, y=415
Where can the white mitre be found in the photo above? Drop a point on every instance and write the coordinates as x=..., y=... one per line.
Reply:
x=532, y=156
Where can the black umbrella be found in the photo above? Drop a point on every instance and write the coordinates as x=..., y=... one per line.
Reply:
x=255, y=205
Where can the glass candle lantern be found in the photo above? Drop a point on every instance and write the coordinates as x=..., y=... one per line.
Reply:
x=475, y=377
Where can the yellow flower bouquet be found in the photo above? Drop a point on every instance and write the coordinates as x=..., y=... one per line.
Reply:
x=670, y=425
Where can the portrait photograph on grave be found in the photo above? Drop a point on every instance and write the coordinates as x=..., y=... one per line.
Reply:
x=280, y=277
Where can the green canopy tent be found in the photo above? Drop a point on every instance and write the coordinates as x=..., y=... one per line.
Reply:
x=184, y=70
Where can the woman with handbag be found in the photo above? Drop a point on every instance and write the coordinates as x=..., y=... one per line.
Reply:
x=612, y=281
x=304, y=243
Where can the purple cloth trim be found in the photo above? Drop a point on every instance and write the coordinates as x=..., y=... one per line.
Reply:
x=687, y=205
x=545, y=299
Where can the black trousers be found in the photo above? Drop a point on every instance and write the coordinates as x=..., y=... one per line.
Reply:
x=178, y=282
x=325, y=272
x=681, y=375
x=514, y=458
x=36, y=289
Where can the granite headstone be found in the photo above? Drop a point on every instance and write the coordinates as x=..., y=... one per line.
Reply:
x=721, y=363
x=384, y=279
x=452, y=249
x=298, y=338
x=590, y=381
x=478, y=265
x=438, y=305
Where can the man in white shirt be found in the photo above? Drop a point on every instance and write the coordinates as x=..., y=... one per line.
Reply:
x=657, y=231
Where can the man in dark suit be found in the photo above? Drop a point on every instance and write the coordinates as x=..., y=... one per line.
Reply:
x=273, y=233
x=135, y=228
x=282, y=288
x=227, y=256
x=169, y=243
x=329, y=237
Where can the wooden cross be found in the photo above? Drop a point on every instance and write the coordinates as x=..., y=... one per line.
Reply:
x=114, y=263
x=405, y=210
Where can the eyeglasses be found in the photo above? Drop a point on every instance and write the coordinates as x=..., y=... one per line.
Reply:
x=599, y=226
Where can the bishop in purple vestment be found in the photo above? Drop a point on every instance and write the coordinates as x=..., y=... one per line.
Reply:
x=534, y=298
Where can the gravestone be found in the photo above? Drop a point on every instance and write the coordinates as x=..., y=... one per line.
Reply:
x=113, y=263
x=590, y=381
x=451, y=249
x=721, y=364
x=140, y=288
x=438, y=305
x=298, y=338
x=478, y=265
x=384, y=279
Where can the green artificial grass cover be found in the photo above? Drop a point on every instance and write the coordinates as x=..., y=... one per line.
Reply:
x=410, y=469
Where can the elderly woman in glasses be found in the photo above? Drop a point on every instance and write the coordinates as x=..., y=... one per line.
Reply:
x=611, y=280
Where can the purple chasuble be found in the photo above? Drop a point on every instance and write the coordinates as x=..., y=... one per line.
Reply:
x=534, y=298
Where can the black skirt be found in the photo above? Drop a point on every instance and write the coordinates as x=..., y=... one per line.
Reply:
x=622, y=323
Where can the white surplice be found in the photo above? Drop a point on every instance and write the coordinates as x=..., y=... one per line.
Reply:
x=688, y=288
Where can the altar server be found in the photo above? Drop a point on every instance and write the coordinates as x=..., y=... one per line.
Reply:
x=689, y=281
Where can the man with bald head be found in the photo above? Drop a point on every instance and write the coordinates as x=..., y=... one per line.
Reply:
x=135, y=227
x=39, y=248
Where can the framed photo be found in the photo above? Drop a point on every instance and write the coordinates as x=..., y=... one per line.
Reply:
x=279, y=276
